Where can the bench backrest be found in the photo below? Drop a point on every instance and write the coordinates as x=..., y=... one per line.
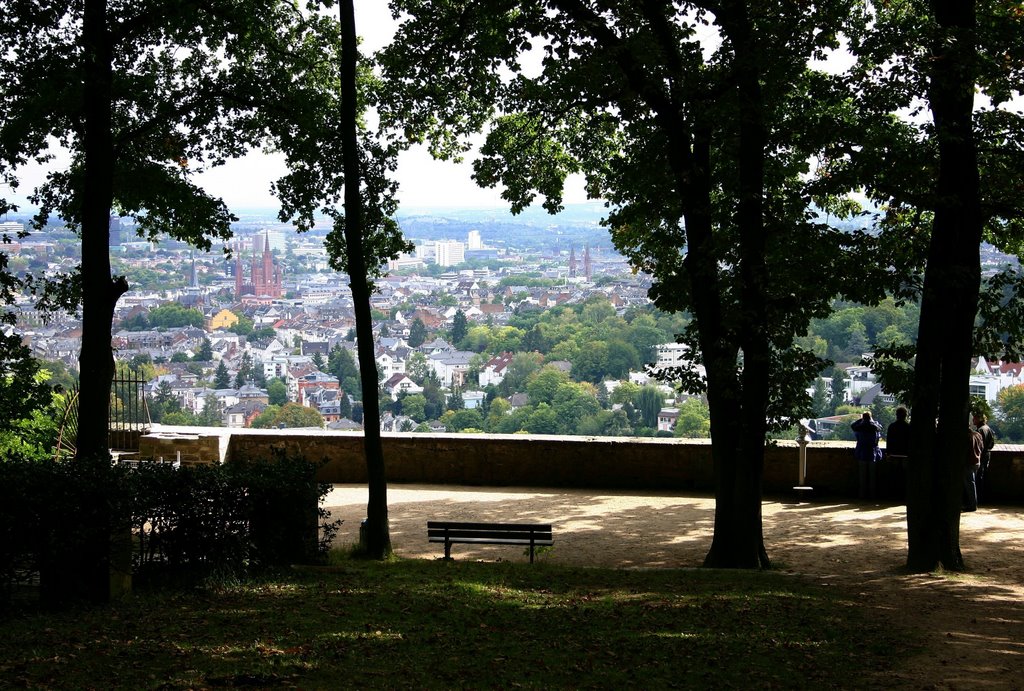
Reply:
x=510, y=531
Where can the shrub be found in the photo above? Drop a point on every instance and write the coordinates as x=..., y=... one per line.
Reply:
x=61, y=522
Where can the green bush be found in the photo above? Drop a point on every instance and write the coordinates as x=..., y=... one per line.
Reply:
x=60, y=522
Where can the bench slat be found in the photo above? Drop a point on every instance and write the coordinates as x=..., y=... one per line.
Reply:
x=489, y=526
x=493, y=541
x=464, y=532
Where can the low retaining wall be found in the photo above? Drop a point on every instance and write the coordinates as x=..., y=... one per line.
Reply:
x=600, y=462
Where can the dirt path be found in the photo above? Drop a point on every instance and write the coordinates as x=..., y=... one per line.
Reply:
x=973, y=624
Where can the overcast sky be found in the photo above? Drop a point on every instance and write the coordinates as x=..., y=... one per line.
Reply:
x=424, y=183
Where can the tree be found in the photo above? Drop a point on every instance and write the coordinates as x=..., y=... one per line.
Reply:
x=459, y=328
x=591, y=363
x=649, y=402
x=290, y=415
x=356, y=195
x=245, y=371
x=519, y=371
x=498, y=410
x=819, y=399
x=701, y=159
x=179, y=417
x=211, y=413
x=341, y=364
x=345, y=406
x=953, y=182
x=459, y=420
x=543, y=385
x=625, y=392
x=243, y=327
x=222, y=379
x=694, y=420
x=173, y=315
x=573, y=402
x=455, y=400
x=838, y=391
x=416, y=367
x=163, y=402
x=1010, y=413
x=277, y=392
x=542, y=420
x=295, y=415
x=142, y=98
x=415, y=406
x=205, y=352
x=417, y=333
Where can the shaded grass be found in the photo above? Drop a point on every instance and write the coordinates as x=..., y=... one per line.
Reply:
x=435, y=624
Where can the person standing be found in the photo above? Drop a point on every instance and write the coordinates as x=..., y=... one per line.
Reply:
x=867, y=453
x=897, y=449
x=974, y=452
x=988, y=440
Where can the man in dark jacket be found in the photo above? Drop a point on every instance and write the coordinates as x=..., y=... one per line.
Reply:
x=867, y=453
x=988, y=440
x=974, y=452
x=897, y=450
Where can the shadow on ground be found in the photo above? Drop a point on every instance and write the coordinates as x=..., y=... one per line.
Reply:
x=974, y=623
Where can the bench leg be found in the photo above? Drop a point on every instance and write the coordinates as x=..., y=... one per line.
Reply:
x=531, y=549
x=447, y=550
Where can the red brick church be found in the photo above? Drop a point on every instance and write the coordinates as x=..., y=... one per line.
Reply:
x=264, y=274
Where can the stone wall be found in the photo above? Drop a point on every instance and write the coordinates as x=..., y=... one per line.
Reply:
x=615, y=463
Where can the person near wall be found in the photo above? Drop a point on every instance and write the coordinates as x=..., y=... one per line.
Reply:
x=974, y=452
x=897, y=450
x=988, y=440
x=868, y=432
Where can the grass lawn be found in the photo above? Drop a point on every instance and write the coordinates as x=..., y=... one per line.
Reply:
x=435, y=624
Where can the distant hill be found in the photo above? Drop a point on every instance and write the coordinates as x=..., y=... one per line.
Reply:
x=575, y=226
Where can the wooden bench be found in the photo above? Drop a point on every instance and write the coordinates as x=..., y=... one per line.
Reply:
x=528, y=534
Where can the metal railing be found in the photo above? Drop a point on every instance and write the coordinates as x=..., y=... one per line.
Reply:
x=129, y=411
x=128, y=420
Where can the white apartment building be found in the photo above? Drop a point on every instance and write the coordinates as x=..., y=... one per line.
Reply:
x=12, y=228
x=473, y=241
x=449, y=252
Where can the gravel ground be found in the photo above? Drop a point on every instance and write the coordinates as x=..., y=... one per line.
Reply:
x=973, y=623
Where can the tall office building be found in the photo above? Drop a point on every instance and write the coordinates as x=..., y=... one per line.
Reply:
x=449, y=253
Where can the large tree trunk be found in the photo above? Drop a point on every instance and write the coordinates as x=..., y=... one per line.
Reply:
x=737, y=450
x=377, y=536
x=738, y=494
x=99, y=293
x=949, y=302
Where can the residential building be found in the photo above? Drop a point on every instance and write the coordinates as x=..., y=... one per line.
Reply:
x=451, y=367
x=667, y=418
x=399, y=384
x=493, y=372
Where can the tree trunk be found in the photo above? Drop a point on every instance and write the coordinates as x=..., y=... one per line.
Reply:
x=949, y=302
x=737, y=451
x=99, y=292
x=377, y=536
x=739, y=467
